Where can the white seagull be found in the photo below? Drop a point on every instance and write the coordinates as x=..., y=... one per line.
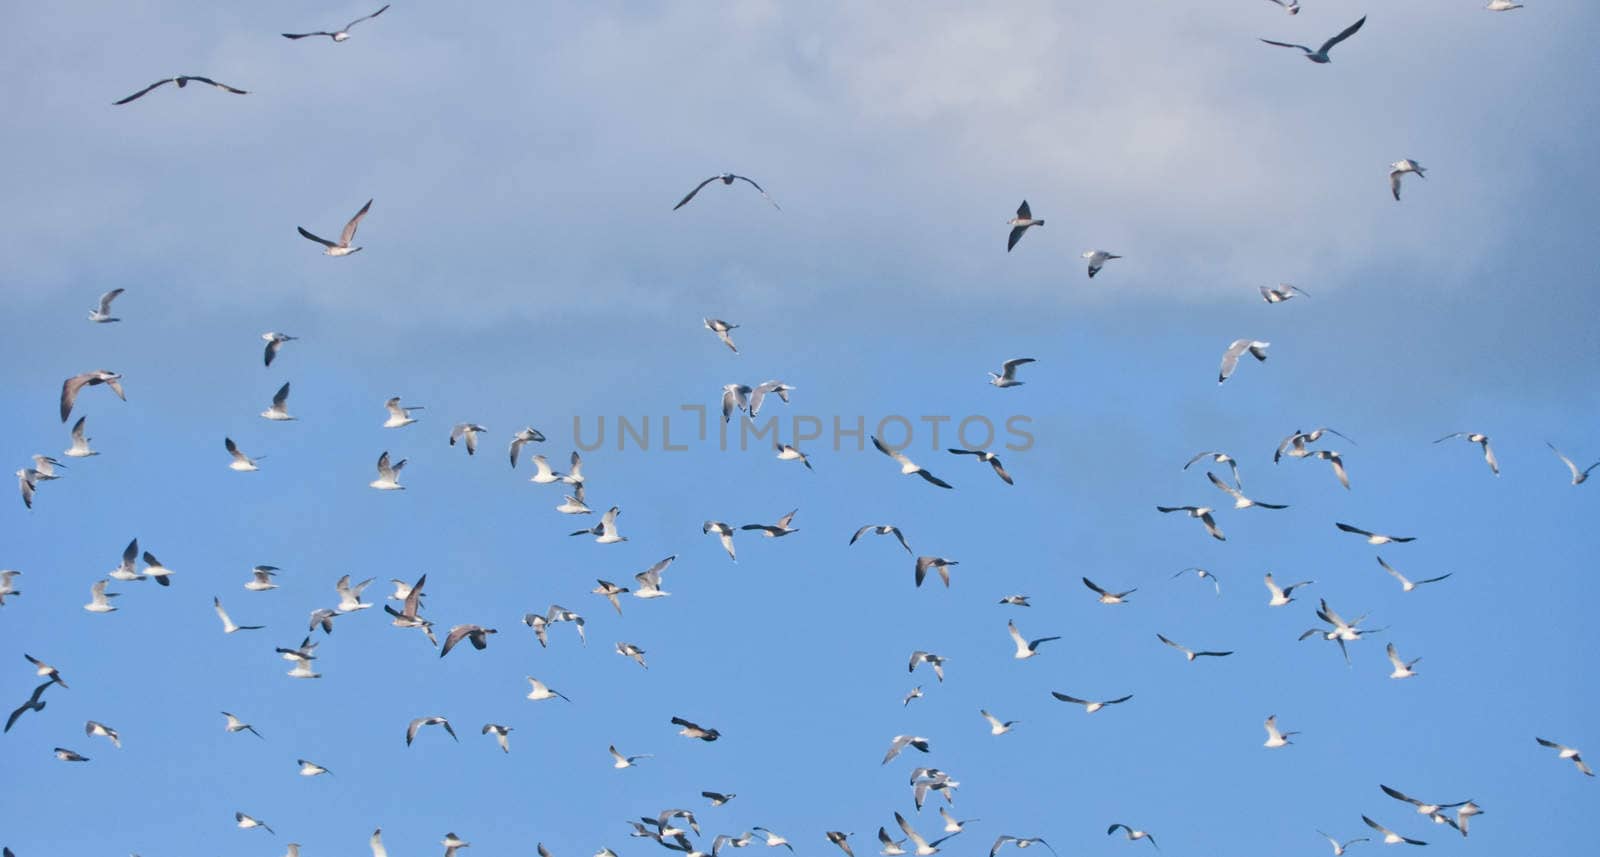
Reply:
x=1320, y=55
x=1406, y=584
x=1025, y=648
x=1339, y=847
x=1097, y=260
x=500, y=735
x=605, y=532
x=629, y=650
x=71, y=386
x=1090, y=706
x=236, y=725
x=788, y=452
x=727, y=179
x=241, y=462
x=1501, y=6
x=261, y=578
x=996, y=727
x=468, y=431
x=1203, y=513
x=388, y=475
x=1219, y=458
x=901, y=742
x=938, y=564
x=988, y=458
x=350, y=596
x=1109, y=597
x=1020, y=224
x=1007, y=376
x=1578, y=476
x=80, y=443
x=94, y=728
x=721, y=329
x=1566, y=752
x=649, y=580
x=341, y=34
x=98, y=598
x=101, y=314
x=541, y=691
x=1389, y=836
x=1275, y=737
x=227, y=622
x=1132, y=834
x=411, y=730
x=246, y=822
x=398, y=415
x=1282, y=595
x=275, y=341
x=1230, y=358
x=1203, y=575
x=883, y=530
x=1191, y=654
x=1400, y=168
x=342, y=248
x=724, y=534
x=280, y=405
x=181, y=80
x=778, y=530
x=1021, y=842
x=907, y=466
x=932, y=660
x=620, y=761
x=521, y=438
x=1374, y=538
x=1239, y=500
x=1283, y=292
x=1481, y=440
x=1293, y=8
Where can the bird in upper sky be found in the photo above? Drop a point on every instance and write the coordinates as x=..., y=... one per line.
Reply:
x=1501, y=6
x=279, y=411
x=901, y=742
x=1132, y=834
x=1400, y=168
x=722, y=329
x=399, y=415
x=475, y=634
x=1025, y=648
x=772, y=531
x=275, y=341
x=1406, y=584
x=621, y=761
x=1219, y=458
x=181, y=80
x=35, y=703
x=1021, y=842
x=1191, y=654
x=996, y=727
x=989, y=458
x=101, y=314
x=1090, y=706
x=789, y=452
x=1203, y=575
x=1389, y=836
x=245, y=822
x=1290, y=6
x=1566, y=752
x=1339, y=847
x=938, y=564
x=1578, y=476
x=98, y=596
x=1481, y=440
x=1422, y=808
x=1320, y=55
x=94, y=728
x=1282, y=595
x=1097, y=259
x=241, y=462
x=1203, y=513
x=1109, y=597
x=388, y=475
x=521, y=439
x=501, y=734
x=1020, y=224
x=1374, y=538
x=907, y=466
x=411, y=730
x=71, y=386
x=883, y=530
x=541, y=691
x=348, y=234
x=724, y=534
x=1283, y=292
x=1007, y=376
x=80, y=443
x=695, y=730
x=605, y=532
x=234, y=724
x=727, y=179
x=1239, y=500
x=1230, y=358
x=932, y=660
x=311, y=769
x=341, y=34
x=1276, y=737
x=228, y=627
x=468, y=431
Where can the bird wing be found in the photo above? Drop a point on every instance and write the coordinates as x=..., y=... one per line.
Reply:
x=685, y=200
x=1347, y=33
x=307, y=35
x=141, y=92
x=349, y=232
x=220, y=86
x=282, y=396
x=366, y=17
x=763, y=193
x=1089, y=583
x=1287, y=45
x=323, y=241
x=107, y=298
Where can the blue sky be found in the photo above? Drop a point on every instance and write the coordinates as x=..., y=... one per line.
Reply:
x=522, y=266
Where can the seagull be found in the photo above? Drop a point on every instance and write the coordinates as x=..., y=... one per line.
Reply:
x=883, y=530
x=476, y=634
x=280, y=405
x=1097, y=260
x=989, y=458
x=34, y=703
x=338, y=35
x=649, y=580
x=342, y=248
x=311, y=769
x=1320, y=55
x=1015, y=601
x=907, y=466
x=155, y=570
x=610, y=591
x=27, y=482
x=452, y=843
x=939, y=564
x=1090, y=706
x=735, y=397
x=625, y=761
x=840, y=839
x=1422, y=808
x=605, y=532
x=1283, y=595
x=80, y=443
x=1007, y=376
x=630, y=650
x=772, y=531
x=246, y=822
x=695, y=730
x=574, y=474
x=543, y=691
x=773, y=839
x=1283, y=292
x=1374, y=538
x=1191, y=654
x=521, y=438
x=1293, y=8
x=915, y=693
x=125, y=569
x=1566, y=752
x=324, y=617
x=93, y=728
x=721, y=329
x=924, y=847
x=891, y=848
x=1481, y=440
x=1276, y=738
x=1020, y=224
x=98, y=596
x=500, y=734
x=6, y=576
x=411, y=730
x=1203, y=575
x=1022, y=842
x=241, y=462
x=543, y=475
x=718, y=798
x=181, y=80
x=1333, y=459
x=1132, y=834
x=1109, y=597
x=44, y=670
x=71, y=386
x=237, y=725
x=1339, y=847
x=1407, y=585
x=388, y=476
x=1239, y=500
x=759, y=395
x=1294, y=445
x=1219, y=458
x=350, y=596
x=1578, y=476
x=996, y=727
x=933, y=660
x=275, y=341
x=727, y=179
x=1501, y=6
x=44, y=468
x=1389, y=836
x=951, y=825
x=377, y=844
x=399, y=416
x=1230, y=358
x=470, y=432
x=1464, y=814
x=102, y=314
x=788, y=452
x=227, y=623
x=1400, y=168
x=1025, y=648
x=66, y=755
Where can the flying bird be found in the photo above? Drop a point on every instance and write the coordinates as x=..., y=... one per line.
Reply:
x=1293, y=8
x=181, y=80
x=1336, y=462
x=245, y=822
x=521, y=439
x=883, y=530
x=1578, y=476
x=411, y=730
x=6, y=586
x=35, y=703
x=1203, y=513
x=1131, y=834
x=97, y=729
x=342, y=247
x=789, y=452
x=341, y=34
x=468, y=431
x=1239, y=500
x=1320, y=55
x=1015, y=601
x=1374, y=538
x=1203, y=575
x=989, y=458
x=1090, y=706
x=1219, y=458
x=1020, y=224
x=1097, y=260
x=311, y=769
x=1406, y=585
x=718, y=798
x=227, y=623
x=241, y=462
x=621, y=761
x=500, y=736
x=1400, y=168
x=900, y=742
x=1230, y=358
x=1025, y=648
x=629, y=650
x=80, y=443
x=1422, y=808
x=772, y=531
x=695, y=730
x=66, y=755
x=275, y=341
x=1283, y=292
x=388, y=475
x=1191, y=654
x=1275, y=737
x=1109, y=597
x=938, y=564
x=605, y=532
x=101, y=314
x=726, y=179
x=71, y=386
x=279, y=412
x=234, y=724
x=475, y=634
x=932, y=660
x=1339, y=847
x=1481, y=440
x=541, y=691
x=907, y=466
x=1566, y=752
x=721, y=328
x=399, y=415
x=1389, y=836
x=996, y=727
x=27, y=483
x=1294, y=445
x=98, y=598
x=1282, y=595
x=1500, y=6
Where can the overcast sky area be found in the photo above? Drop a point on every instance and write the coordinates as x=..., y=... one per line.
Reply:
x=523, y=266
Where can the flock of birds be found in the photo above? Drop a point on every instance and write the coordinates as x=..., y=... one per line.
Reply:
x=677, y=829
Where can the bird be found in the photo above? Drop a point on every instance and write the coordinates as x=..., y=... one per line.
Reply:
x=1203, y=575
x=951, y=825
x=759, y=395
x=66, y=755
x=377, y=844
x=1336, y=462
x=453, y=843
x=275, y=341
x=1566, y=752
x=841, y=839
x=388, y=476
x=622, y=761
x=883, y=530
x=1400, y=168
x=1282, y=595
x=311, y=769
x=1132, y=834
x=27, y=482
x=71, y=386
x=1219, y=458
x=1389, y=836
x=1109, y=597
x=6, y=586
x=1578, y=476
x=234, y=724
x=1374, y=538
x=348, y=234
x=629, y=650
x=1015, y=601
x=399, y=415
x=891, y=848
x=788, y=452
x=500, y=735
x=125, y=569
x=938, y=564
x=1406, y=585
x=1020, y=224
x=475, y=634
x=1422, y=808
x=350, y=596
x=735, y=397
x=541, y=691
x=932, y=660
x=610, y=591
x=1239, y=500
x=44, y=670
x=1283, y=292
x=44, y=468
x=695, y=730
x=1230, y=358
x=718, y=798
x=1020, y=841
x=245, y=822
x=996, y=727
x=773, y=839
x=279, y=411
x=227, y=623
x=1290, y=6
x=1097, y=260
x=726, y=179
x=1481, y=440
x=649, y=580
x=1275, y=737
x=35, y=703
x=1500, y=6
x=923, y=846
x=1090, y=706
x=241, y=462
x=573, y=504
x=1294, y=445
x=914, y=693
x=907, y=466
x=1191, y=654
x=1320, y=55
x=721, y=329
x=468, y=431
x=341, y=34
x=98, y=598
x=1464, y=814
x=525, y=436
x=772, y=531
x=901, y=742
x=411, y=730
x=605, y=532
x=181, y=80
x=988, y=457
x=80, y=443
x=1339, y=847
x=1025, y=648
x=101, y=314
